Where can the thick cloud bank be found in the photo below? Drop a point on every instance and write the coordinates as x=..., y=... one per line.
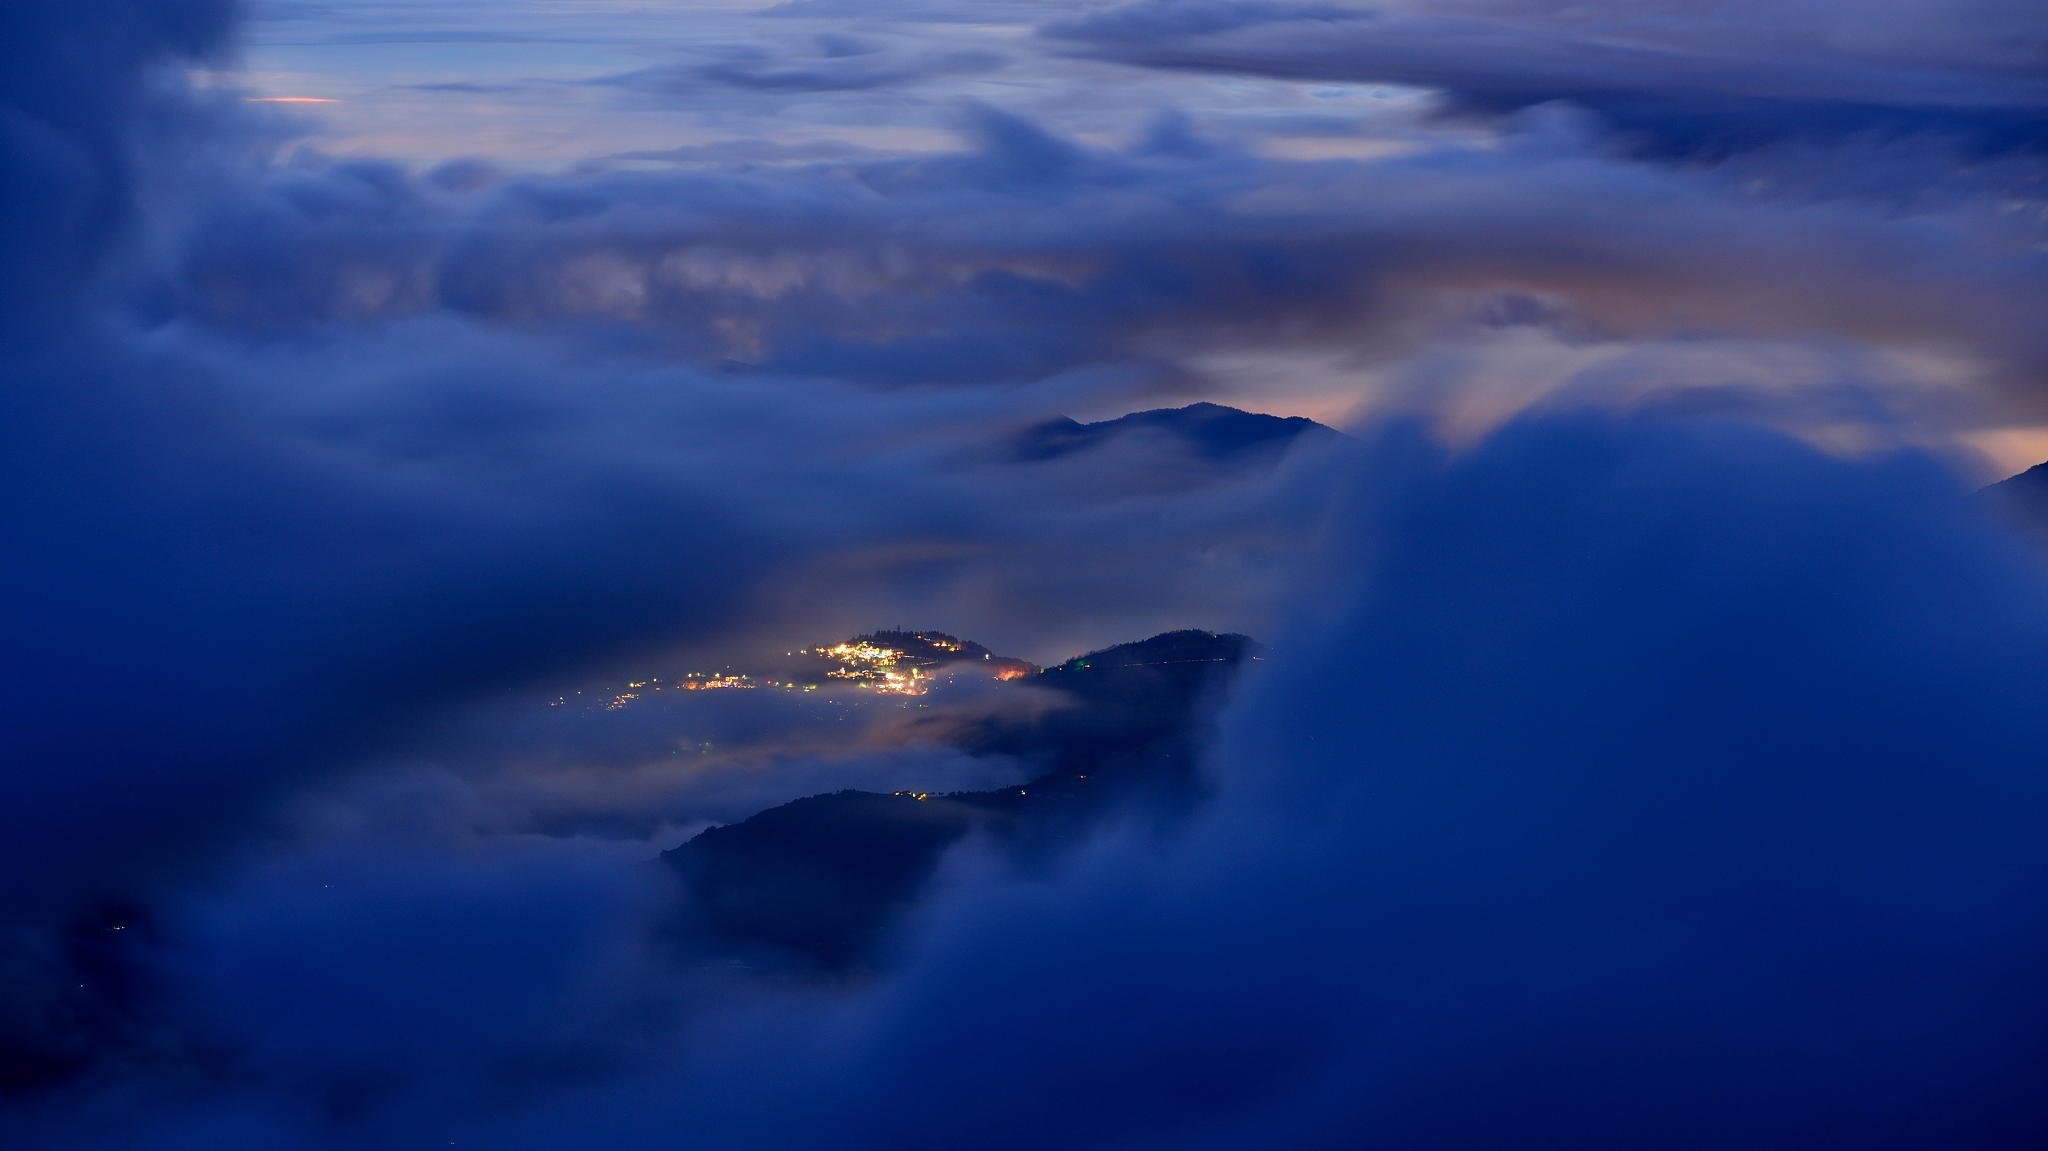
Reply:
x=1624, y=783
x=1628, y=785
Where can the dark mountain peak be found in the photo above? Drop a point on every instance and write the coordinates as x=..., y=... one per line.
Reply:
x=936, y=645
x=1213, y=432
x=1189, y=645
x=1144, y=682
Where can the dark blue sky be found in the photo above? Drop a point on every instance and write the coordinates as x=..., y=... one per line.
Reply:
x=1651, y=750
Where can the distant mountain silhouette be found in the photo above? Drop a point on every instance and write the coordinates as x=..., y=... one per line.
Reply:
x=816, y=880
x=1211, y=432
x=2025, y=495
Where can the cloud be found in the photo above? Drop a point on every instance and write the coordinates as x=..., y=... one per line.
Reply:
x=830, y=63
x=1682, y=76
x=1602, y=741
x=78, y=77
x=1157, y=20
x=1620, y=780
x=1626, y=782
x=271, y=544
x=1022, y=256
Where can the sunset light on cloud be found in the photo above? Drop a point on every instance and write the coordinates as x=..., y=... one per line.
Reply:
x=1142, y=575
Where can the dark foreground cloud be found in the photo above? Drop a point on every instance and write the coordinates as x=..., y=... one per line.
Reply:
x=78, y=80
x=1621, y=782
x=1626, y=785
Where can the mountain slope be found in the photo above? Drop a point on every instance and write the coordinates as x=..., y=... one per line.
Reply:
x=818, y=879
x=2025, y=495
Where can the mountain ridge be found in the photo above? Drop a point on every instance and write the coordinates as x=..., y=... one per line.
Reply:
x=2026, y=494
x=819, y=878
x=1215, y=433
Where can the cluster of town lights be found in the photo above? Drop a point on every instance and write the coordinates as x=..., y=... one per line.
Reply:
x=863, y=663
x=873, y=666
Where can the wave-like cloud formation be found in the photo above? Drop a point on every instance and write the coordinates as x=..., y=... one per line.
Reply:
x=1025, y=255
x=1683, y=75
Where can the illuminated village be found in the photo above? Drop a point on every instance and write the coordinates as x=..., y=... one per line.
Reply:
x=886, y=663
